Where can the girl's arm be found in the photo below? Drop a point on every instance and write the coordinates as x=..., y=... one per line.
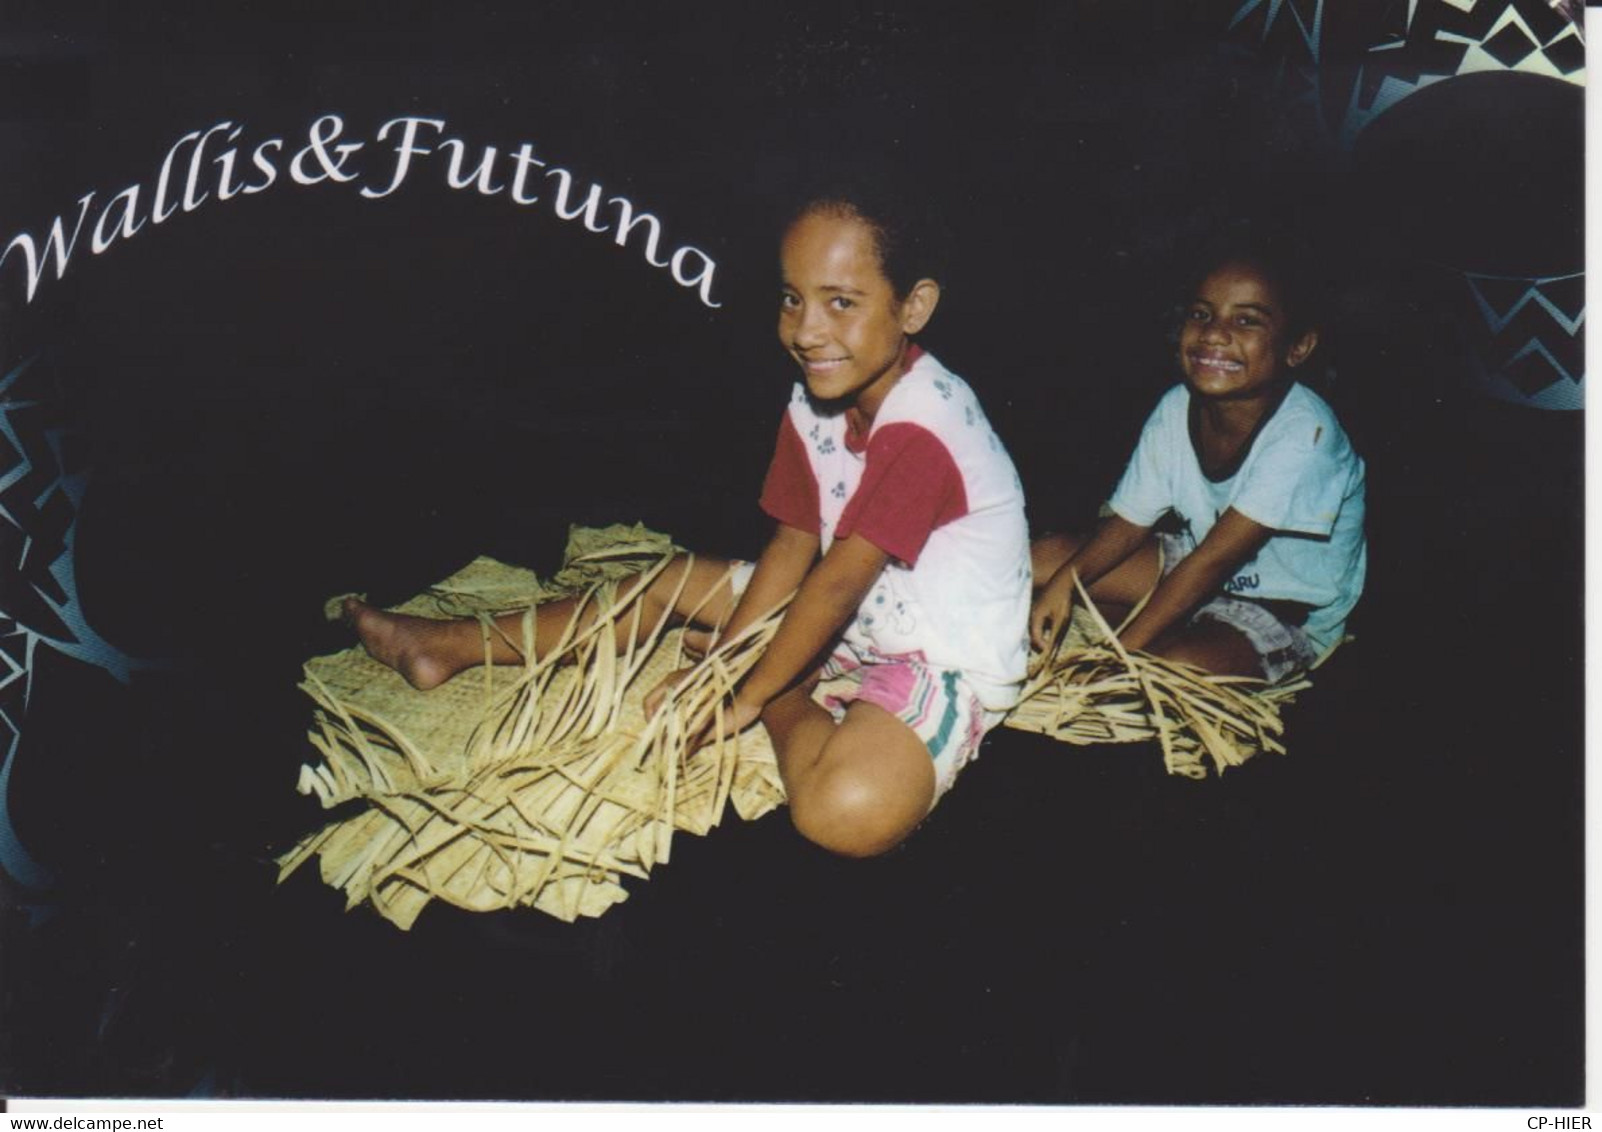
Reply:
x=1233, y=541
x=1115, y=540
x=783, y=564
x=828, y=598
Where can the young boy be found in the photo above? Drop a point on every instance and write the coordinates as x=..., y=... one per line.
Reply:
x=1261, y=490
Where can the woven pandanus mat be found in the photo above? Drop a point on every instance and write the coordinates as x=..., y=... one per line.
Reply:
x=542, y=785
x=545, y=785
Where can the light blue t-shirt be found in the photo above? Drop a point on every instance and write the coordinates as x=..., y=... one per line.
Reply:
x=1300, y=478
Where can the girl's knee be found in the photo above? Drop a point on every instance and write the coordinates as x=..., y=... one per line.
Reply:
x=855, y=812
x=848, y=829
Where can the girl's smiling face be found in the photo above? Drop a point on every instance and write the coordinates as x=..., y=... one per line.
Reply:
x=839, y=315
x=1236, y=343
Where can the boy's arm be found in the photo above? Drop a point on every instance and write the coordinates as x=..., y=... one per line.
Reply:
x=1233, y=541
x=1115, y=540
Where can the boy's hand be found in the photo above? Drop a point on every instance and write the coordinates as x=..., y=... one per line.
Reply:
x=1051, y=612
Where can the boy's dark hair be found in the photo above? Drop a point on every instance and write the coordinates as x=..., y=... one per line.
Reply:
x=1285, y=260
x=908, y=232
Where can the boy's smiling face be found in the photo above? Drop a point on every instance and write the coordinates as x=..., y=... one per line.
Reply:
x=838, y=313
x=1235, y=343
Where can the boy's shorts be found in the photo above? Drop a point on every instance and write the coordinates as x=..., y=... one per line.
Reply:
x=938, y=704
x=1282, y=649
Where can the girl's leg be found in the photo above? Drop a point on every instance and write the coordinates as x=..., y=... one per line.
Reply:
x=856, y=788
x=429, y=652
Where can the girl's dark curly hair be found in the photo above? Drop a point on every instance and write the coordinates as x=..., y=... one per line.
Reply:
x=908, y=233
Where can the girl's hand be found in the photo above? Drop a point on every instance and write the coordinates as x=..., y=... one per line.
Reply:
x=698, y=642
x=1052, y=610
x=737, y=716
x=655, y=697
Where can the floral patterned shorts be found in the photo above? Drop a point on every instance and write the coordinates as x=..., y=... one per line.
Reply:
x=938, y=704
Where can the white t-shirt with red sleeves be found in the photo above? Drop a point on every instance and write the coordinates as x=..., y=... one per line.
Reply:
x=932, y=486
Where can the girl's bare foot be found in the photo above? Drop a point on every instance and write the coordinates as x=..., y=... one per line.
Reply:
x=425, y=651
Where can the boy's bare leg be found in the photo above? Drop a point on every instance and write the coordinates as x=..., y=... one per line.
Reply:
x=857, y=788
x=429, y=652
x=1208, y=645
x=1212, y=647
x=1124, y=585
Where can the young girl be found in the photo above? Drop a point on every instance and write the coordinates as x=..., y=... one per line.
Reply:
x=899, y=525
x=1261, y=554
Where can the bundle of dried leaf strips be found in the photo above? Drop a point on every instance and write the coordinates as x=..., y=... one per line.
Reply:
x=1093, y=690
x=541, y=785
x=545, y=786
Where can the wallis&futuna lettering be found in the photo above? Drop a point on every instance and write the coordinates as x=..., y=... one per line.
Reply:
x=220, y=163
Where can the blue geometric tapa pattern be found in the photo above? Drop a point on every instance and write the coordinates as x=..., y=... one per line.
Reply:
x=1442, y=39
x=1290, y=33
x=1417, y=43
x=40, y=495
x=1297, y=24
x=1536, y=352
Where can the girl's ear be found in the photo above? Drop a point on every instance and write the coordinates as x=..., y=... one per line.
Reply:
x=919, y=305
x=1301, y=348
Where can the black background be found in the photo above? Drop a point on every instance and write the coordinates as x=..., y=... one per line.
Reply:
x=286, y=396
